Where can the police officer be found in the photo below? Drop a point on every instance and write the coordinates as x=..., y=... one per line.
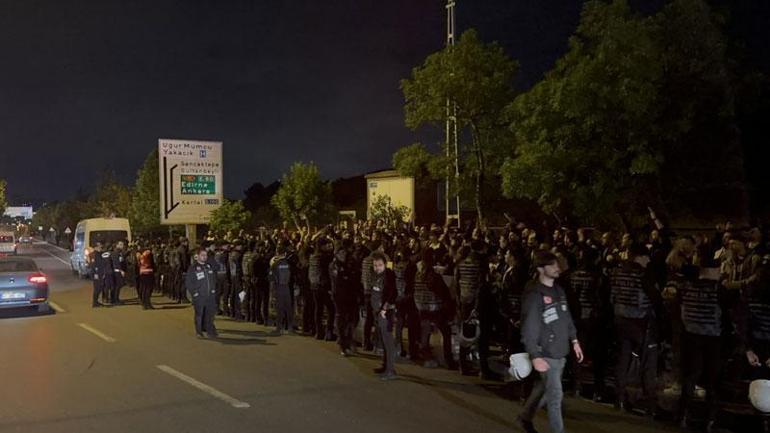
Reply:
x=754, y=323
x=320, y=285
x=223, y=280
x=108, y=279
x=346, y=294
x=281, y=282
x=383, y=304
x=547, y=332
x=249, y=284
x=201, y=284
x=183, y=252
x=588, y=290
x=406, y=310
x=236, y=279
x=119, y=262
x=636, y=303
x=99, y=268
x=366, y=283
x=262, y=281
x=433, y=301
x=704, y=305
x=470, y=276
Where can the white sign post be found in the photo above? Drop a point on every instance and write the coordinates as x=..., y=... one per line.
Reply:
x=190, y=182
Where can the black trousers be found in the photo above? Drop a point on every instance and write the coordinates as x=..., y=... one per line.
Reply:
x=427, y=322
x=234, y=300
x=347, y=320
x=701, y=358
x=120, y=281
x=369, y=321
x=205, y=310
x=263, y=301
x=146, y=286
x=308, y=308
x=324, y=304
x=385, y=326
x=98, y=288
x=408, y=317
x=250, y=303
x=637, y=338
x=595, y=343
x=221, y=290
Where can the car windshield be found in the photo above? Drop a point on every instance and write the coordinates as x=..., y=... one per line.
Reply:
x=6, y=239
x=107, y=236
x=17, y=266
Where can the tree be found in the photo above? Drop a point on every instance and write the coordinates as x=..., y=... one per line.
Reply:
x=111, y=198
x=3, y=201
x=231, y=216
x=383, y=209
x=303, y=196
x=613, y=126
x=145, y=204
x=478, y=78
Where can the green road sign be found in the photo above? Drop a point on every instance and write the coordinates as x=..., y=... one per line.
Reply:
x=198, y=185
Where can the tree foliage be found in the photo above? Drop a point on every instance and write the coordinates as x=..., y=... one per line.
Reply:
x=624, y=119
x=383, y=209
x=145, y=204
x=231, y=216
x=303, y=196
x=478, y=78
x=3, y=201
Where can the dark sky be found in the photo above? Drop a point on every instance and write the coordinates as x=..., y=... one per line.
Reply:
x=91, y=85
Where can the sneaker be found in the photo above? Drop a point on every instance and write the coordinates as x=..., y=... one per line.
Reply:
x=389, y=376
x=525, y=425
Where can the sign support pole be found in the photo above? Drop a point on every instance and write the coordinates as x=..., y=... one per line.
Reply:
x=191, y=233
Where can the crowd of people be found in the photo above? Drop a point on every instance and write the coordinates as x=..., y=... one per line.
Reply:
x=686, y=310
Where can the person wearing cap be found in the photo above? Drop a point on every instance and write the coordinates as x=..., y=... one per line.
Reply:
x=547, y=332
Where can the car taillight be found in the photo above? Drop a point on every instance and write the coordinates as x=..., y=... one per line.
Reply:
x=38, y=279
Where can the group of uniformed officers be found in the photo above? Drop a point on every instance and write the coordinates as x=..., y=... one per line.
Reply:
x=660, y=297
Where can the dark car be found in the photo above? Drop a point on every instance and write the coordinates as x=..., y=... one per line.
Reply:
x=22, y=285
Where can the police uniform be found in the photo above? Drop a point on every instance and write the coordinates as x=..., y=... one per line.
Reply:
x=201, y=284
x=281, y=281
x=702, y=307
x=633, y=292
x=236, y=283
x=470, y=278
x=346, y=299
x=586, y=287
x=406, y=310
x=433, y=303
x=366, y=283
x=320, y=285
x=249, y=285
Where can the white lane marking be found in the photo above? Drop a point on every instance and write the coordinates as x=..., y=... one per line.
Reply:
x=98, y=333
x=56, y=307
x=205, y=388
x=57, y=257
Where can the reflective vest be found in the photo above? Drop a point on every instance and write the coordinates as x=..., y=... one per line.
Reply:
x=627, y=291
x=701, y=312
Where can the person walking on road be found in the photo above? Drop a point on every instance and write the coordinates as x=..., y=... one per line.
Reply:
x=201, y=284
x=547, y=331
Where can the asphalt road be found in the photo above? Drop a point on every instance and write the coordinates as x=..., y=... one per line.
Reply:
x=123, y=369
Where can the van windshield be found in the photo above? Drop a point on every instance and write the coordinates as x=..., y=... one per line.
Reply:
x=105, y=236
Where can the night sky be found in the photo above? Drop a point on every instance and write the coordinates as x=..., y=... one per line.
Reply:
x=91, y=85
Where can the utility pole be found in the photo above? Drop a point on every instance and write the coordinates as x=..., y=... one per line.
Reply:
x=451, y=130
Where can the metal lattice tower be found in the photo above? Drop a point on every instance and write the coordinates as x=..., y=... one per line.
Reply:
x=451, y=129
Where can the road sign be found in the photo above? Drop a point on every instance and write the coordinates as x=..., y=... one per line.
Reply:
x=190, y=180
x=51, y=230
x=40, y=228
x=67, y=231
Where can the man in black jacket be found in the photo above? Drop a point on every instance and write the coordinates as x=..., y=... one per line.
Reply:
x=547, y=331
x=383, y=303
x=201, y=284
